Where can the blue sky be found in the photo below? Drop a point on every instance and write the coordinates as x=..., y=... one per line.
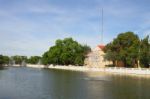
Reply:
x=30, y=27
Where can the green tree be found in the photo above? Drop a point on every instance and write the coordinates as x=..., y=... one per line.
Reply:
x=19, y=59
x=145, y=52
x=1, y=60
x=4, y=60
x=34, y=59
x=79, y=60
x=66, y=52
x=124, y=48
x=45, y=58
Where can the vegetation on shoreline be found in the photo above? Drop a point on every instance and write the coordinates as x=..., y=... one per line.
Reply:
x=65, y=52
x=128, y=50
x=6, y=60
x=18, y=59
x=34, y=59
x=3, y=60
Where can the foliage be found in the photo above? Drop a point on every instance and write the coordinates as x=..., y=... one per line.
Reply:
x=145, y=52
x=124, y=48
x=4, y=60
x=34, y=59
x=66, y=52
x=1, y=60
x=45, y=58
x=19, y=59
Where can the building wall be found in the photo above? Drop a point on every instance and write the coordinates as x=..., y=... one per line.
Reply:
x=96, y=59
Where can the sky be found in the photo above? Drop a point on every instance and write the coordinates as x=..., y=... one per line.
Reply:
x=30, y=27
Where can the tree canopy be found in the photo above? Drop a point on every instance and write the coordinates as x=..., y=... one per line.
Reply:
x=34, y=59
x=145, y=52
x=65, y=52
x=4, y=60
x=126, y=48
x=19, y=59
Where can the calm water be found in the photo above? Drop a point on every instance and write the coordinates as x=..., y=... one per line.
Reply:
x=28, y=83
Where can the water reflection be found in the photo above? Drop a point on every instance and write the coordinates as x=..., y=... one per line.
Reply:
x=127, y=87
x=64, y=84
x=28, y=83
x=74, y=86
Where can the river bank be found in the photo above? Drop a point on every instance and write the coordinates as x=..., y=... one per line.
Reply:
x=126, y=71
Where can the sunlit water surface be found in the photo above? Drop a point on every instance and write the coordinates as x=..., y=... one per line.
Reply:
x=29, y=83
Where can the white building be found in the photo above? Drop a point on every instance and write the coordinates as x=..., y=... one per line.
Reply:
x=96, y=58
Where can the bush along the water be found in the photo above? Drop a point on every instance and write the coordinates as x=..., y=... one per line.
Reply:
x=4, y=60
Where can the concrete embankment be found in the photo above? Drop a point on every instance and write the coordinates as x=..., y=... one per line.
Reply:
x=137, y=71
x=128, y=71
x=35, y=66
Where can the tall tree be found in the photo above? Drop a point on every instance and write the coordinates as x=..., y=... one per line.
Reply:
x=65, y=52
x=145, y=52
x=124, y=48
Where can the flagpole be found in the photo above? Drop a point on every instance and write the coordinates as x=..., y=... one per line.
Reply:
x=102, y=23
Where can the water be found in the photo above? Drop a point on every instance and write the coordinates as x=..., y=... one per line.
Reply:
x=29, y=83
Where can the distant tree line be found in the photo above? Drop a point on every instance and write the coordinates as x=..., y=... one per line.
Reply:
x=6, y=60
x=3, y=60
x=128, y=50
x=34, y=59
x=18, y=59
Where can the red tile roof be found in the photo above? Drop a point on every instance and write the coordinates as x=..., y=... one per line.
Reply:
x=101, y=46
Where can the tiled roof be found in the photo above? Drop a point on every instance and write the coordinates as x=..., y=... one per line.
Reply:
x=101, y=46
